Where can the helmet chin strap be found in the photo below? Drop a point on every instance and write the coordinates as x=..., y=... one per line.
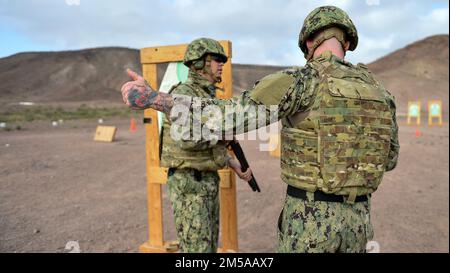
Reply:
x=323, y=36
x=206, y=70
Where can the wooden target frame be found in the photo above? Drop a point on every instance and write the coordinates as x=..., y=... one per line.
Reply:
x=409, y=117
x=431, y=115
x=157, y=176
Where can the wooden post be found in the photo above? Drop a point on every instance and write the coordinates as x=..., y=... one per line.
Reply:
x=275, y=140
x=154, y=196
x=157, y=176
x=228, y=208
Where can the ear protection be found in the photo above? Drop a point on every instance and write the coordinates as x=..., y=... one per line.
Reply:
x=199, y=64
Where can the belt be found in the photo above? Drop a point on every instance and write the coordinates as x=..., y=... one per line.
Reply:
x=321, y=196
x=197, y=173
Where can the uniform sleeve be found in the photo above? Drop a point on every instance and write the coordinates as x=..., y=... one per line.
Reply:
x=271, y=99
x=394, y=146
x=189, y=135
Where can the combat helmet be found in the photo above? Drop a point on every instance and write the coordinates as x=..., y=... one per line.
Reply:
x=202, y=46
x=326, y=17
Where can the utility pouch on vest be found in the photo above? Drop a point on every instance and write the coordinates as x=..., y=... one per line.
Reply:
x=354, y=134
x=340, y=146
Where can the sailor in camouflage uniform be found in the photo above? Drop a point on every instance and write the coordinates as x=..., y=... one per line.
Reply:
x=339, y=135
x=193, y=181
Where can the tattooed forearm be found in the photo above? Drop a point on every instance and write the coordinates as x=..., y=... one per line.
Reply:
x=150, y=99
x=162, y=102
x=138, y=94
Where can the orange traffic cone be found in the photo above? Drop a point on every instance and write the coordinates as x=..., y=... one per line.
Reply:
x=133, y=125
x=418, y=133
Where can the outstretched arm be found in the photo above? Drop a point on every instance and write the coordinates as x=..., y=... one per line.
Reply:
x=138, y=94
x=223, y=117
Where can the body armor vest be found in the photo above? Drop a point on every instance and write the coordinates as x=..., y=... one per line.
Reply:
x=173, y=156
x=341, y=144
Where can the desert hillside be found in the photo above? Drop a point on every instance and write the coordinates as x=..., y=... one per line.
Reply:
x=418, y=71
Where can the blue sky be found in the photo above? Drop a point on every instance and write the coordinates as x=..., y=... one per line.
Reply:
x=262, y=31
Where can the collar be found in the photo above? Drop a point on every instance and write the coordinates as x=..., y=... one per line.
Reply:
x=203, y=83
x=328, y=56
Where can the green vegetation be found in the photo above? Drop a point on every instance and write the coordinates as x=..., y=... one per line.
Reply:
x=39, y=113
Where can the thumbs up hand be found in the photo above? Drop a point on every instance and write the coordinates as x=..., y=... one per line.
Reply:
x=135, y=76
x=136, y=93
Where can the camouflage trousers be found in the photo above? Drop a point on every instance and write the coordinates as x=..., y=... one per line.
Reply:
x=316, y=226
x=196, y=209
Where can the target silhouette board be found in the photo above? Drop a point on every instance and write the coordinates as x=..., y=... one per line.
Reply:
x=414, y=108
x=434, y=111
x=156, y=175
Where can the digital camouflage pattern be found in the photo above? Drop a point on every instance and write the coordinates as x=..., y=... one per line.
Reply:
x=360, y=144
x=307, y=226
x=329, y=227
x=324, y=17
x=190, y=152
x=342, y=141
x=292, y=90
x=196, y=210
x=195, y=202
x=199, y=47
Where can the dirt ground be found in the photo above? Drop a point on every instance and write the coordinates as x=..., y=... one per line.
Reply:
x=57, y=185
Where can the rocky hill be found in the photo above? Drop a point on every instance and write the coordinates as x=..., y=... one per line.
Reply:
x=418, y=71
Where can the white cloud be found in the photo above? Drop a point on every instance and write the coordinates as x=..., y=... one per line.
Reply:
x=261, y=31
x=370, y=49
x=436, y=19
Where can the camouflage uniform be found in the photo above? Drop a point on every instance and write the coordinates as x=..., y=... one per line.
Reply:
x=317, y=226
x=195, y=206
x=193, y=181
x=339, y=136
